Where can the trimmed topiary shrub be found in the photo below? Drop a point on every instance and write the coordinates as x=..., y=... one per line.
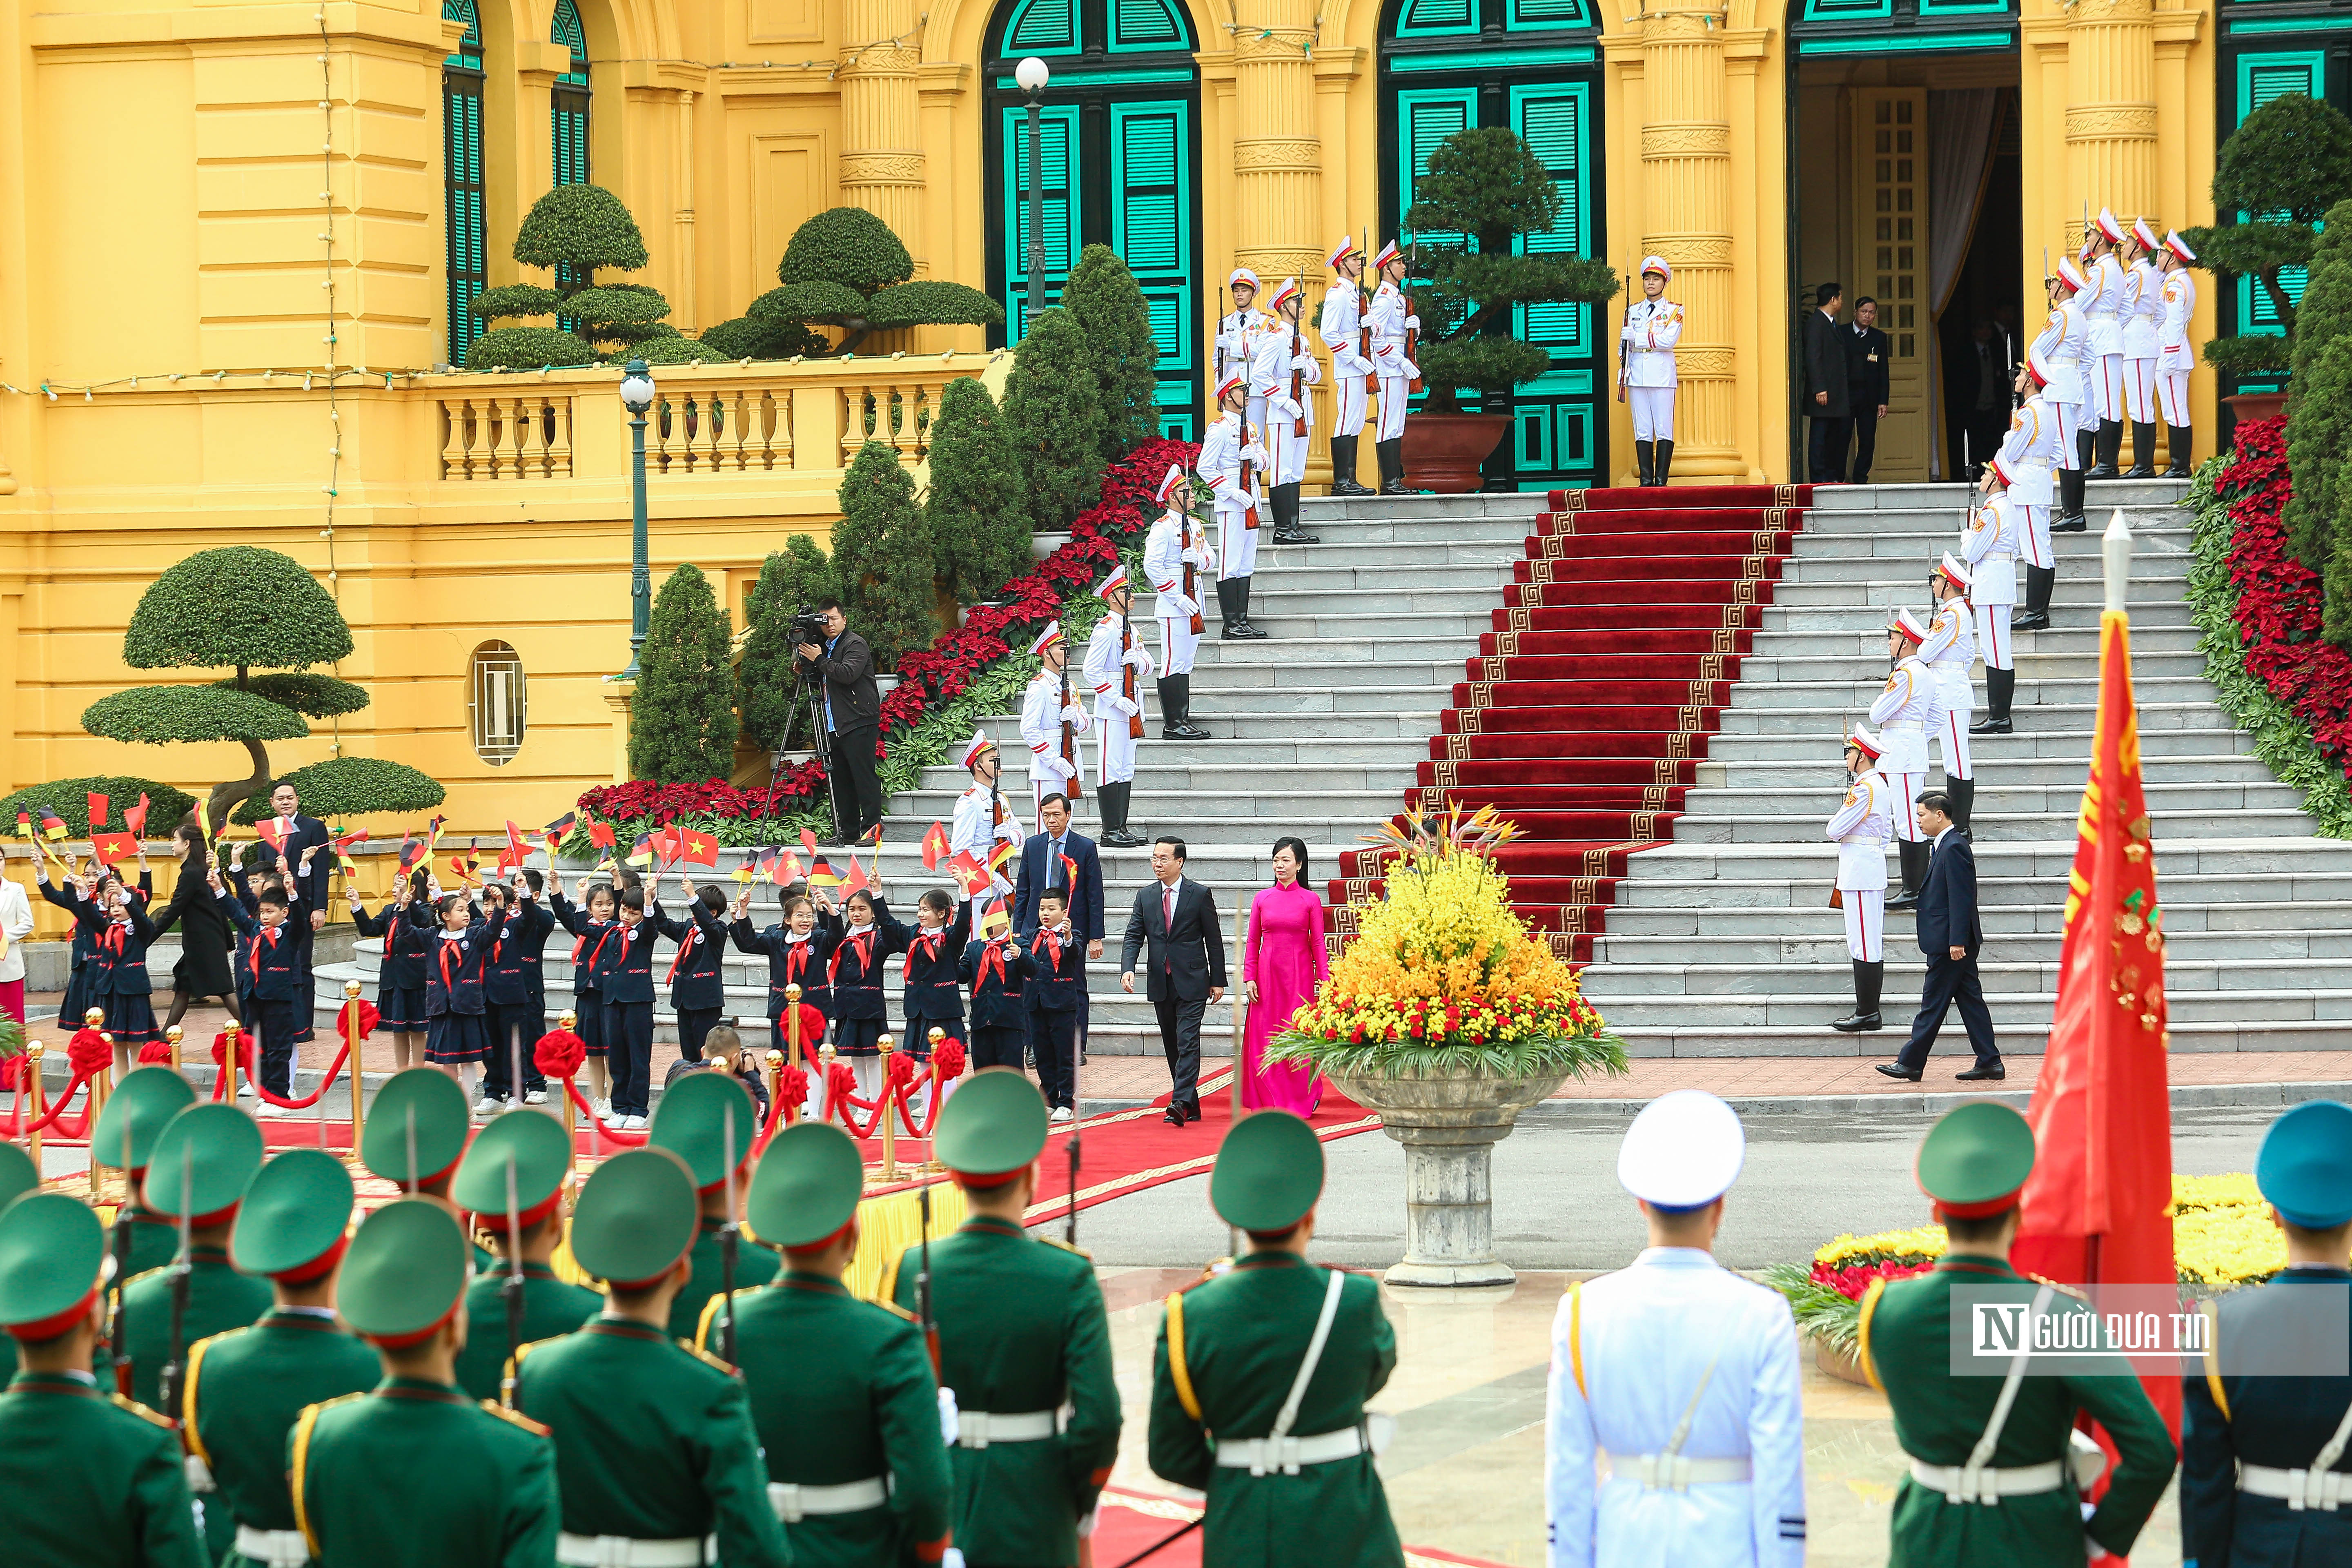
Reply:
x=2319, y=401
x=882, y=551
x=70, y=799
x=791, y=580
x=577, y=230
x=682, y=719
x=674, y=349
x=350, y=786
x=1102, y=294
x=758, y=337
x=580, y=226
x=2287, y=163
x=1054, y=419
x=844, y=268
x=980, y=528
x=528, y=348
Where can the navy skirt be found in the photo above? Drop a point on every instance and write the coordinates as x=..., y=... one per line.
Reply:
x=132, y=1021
x=588, y=1024
x=401, y=1008
x=455, y=1038
x=858, y=1037
x=77, y=1000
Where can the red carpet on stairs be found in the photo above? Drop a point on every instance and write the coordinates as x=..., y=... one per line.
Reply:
x=1586, y=710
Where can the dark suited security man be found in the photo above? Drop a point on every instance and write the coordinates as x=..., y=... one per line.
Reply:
x=1865, y=385
x=1951, y=936
x=1825, y=387
x=298, y=833
x=1986, y=392
x=1179, y=918
x=853, y=722
x=1042, y=867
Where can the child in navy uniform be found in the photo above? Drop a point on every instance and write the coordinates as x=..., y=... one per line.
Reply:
x=627, y=982
x=456, y=1037
x=514, y=1002
x=932, y=970
x=698, y=985
x=591, y=925
x=271, y=873
x=994, y=969
x=406, y=925
x=796, y=951
x=269, y=981
x=1051, y=998
x=854, y=973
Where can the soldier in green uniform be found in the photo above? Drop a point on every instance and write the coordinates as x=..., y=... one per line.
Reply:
x=19, y=1176
x=1991, y=1479
x=413, y=1474
x=416, y=1135
x=1260, y=1377
x=654, y=1445
x=2265, y=1481
x=92, y=1480
x=125, y=1136
x=692, y=1122
x=1022, y=1336
x=202, y=1161
x=843, y=1394
x=541, y=1153
x=246, y=1387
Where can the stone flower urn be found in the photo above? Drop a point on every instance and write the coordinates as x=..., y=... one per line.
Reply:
x=1449, y=1125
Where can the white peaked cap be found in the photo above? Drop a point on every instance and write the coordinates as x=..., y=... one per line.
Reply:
x=1684, y=1150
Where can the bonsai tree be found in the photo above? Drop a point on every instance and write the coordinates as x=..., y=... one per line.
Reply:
x=1102, y=294
x=979, y=526
x=760, y=337
x=844, y=268
x=682, y=719
x=262, y=614
x=2282, y=169
x=791, y=580
x=577, y=230
x=883, y=552
x=1488, y=186
x=1053, y=418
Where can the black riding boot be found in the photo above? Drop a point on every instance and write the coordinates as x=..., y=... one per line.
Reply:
x=2086, y=448
x=1867, y=979
x=1287, y=528
x=2109, y=446
x=2000, y=686
x=1176, y=710
x=1964, y=798
x=1393, y=469
x=1913, y=860
x=1666, y=461
x=2070, y=518
x=1241, y=602
x=2034, y=615
x=2179, y=442
x=1114, y=802
x=1343, y=468
x=2143, y=451
x=1229, y=604
x=1643, y=460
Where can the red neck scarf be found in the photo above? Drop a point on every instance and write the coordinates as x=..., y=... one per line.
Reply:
x=864, y=943
x=929, y=942
x=1052, y=942
x=991, y=961
x=266, y=937
x=448, y=981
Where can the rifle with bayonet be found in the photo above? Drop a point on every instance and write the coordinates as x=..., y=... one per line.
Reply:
x=118, y=1335
x=729, y=1234
x=175, y=1375
x=511, y=1288
x=1127, y=670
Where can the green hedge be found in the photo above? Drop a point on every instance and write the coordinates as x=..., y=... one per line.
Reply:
x=69, y=799
x=351, y=786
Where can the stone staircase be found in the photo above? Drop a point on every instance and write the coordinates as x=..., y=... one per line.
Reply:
x=1721, y=941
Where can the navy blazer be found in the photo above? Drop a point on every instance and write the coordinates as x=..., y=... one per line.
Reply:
x=793, y=963
x=1056, y=986
x=118, y=954
x=406, y=934
x=857, y=977
x=625, y=971
x=996, y=995
x=933, y=970
x=696, y=984
x=1186, y=961
x=1947, y=915
x=267, y=971
x=511, y=978
x=453, y=970
x=307, y=830
x=1086, y=887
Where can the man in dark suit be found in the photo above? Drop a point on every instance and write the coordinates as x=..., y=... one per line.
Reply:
x=853, y=721
x=1867, y=385
x=1187, y=969
x=1825, y=387
x=1060, y=856
x=298, y=833
x=1951, y=936
x=1980, y=382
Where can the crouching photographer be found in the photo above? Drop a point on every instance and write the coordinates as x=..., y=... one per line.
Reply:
x=852, y=705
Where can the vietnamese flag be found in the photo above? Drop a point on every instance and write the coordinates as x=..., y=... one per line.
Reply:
x=599, y=833
x=2095, y=1211
x=935, y=848
x=98, y=806
x=855, y=879
x=135, y=818
x=808, y=842
x=113, y=846
x=968, y=873
x=698, y=847
x=272, y=834
x=784, y=868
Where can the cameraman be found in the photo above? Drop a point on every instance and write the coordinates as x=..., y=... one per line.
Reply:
x=853, y=719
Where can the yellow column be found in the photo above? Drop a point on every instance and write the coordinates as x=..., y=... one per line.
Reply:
x=1687, y=168
x=2111, y=121
x=882, y=155
x=1277, y=156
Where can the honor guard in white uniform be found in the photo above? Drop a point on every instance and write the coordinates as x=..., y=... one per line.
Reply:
x=1989, y=544
x=2102, y=306
x=1673, y=1437
x=2175, y=355
x=1238, y=328
x=1281, y=370
x=1645, y=369
x=1232, y=457
x=1907, y=712
x=983, y=820
x=1860, y=829
x=1052, y=720
x=2029, y=458
x=1177, y=559
x=2143, y=315
x=1342, y=329
x=1950, y=654
x=1118, y=717
x=1391, y=317
x=2064, y=346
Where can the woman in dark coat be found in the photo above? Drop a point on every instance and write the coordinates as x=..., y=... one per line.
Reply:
x=203, y=970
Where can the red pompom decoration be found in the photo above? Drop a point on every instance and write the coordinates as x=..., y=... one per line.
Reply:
x=559, y=1053
x=87, y=1053
x=155, y=1051
x=367, y=1019
x=221, y=1046
x=812, y=1030
x=948, y=1059
x=793, y=1086
x=902, y=1070
x=841, y=1082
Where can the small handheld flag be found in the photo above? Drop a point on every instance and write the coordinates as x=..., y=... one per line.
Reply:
x=98, y=806
x=465, y=867
x=113, y=846
x=820, y=875
x=412, y=854
x=135, y=818
x=341, y=843
x=272, y=834
x=669, y=843
x=855, y=879
x=556, y=831
x=785, y=868
x=747, y=873
x=935, y=848
x=808, y=842
x=599, y=833
x=517, y=851
x=52, y=824
x=698, y=848
x=1002, y=851
x=641, y=853
x=970, y=874
x=205, y=818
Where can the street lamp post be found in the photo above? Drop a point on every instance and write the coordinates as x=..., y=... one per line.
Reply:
x=637, y=397
x=1032, y=75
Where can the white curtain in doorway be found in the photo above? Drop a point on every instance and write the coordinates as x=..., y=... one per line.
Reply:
x=1963, y=126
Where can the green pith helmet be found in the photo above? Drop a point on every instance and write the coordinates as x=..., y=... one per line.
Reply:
x=2304, y=1168
x=218, y=1147
x=637, y=1215
x=18, y=1174
x=1975, y=1160
x=541, y=1152
x=1269, y=1172
x=295, y=1212
x=691, y=1122
x=993, y=1126
x=51, y=1251
x=406, y=1271
x=436, y=1104
x=807, y=1186
x=141, y=1104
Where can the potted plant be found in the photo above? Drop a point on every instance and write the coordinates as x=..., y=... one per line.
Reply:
x=1449, y=1017
x=2287, y=163
x=1483, y=190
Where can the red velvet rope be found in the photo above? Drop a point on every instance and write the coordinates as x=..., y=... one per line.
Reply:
x=620, y=1139
x=16, y=1127
x=88, y=1052
x=253, y=1077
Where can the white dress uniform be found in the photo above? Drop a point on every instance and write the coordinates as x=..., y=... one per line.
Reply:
x=1041, y=718
x=1174, y=557
x=1270, y=367
x=1908, y=710
x=1989, y=545
x=2176, y=356
x=1861, y=827
x=1115, y=644
x=1390, y=320
x=1679, y=1379
x=2103, y=304
x=1950, y=654
x=1652, y=328
x=972, y=833
x=2066, y=347
x=1341, y=329
x=1230, y=347
x=1227, y=446
x=2029, y=456
x=2142, y=314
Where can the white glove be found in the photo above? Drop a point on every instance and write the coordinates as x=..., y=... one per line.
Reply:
x=1188, y=605
x=1125, y=706
x=1256, y=454
x=1140, y=657
x=1412, y=322
x=951, y=1558
x=948, y=1425
x=1074, y=714
x=1087, y=1525
x=1060, y=768
x=1302, y=362
x=1282, y=407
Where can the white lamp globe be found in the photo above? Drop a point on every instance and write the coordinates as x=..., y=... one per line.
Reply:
x=637, y=387
x=1030, y=74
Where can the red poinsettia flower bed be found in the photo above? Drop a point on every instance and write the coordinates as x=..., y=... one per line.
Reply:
x=2278, y=598
x=1119, y=517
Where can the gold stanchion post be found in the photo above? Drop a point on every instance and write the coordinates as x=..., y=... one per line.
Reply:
x=825, y=1056
x=889, y=1127
x=354, y=1041
x=775, y=1059
x=96, y=1107
x=172, y=1038
x=35, y=1106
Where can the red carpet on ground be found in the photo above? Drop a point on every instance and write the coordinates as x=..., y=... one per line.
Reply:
x=1134, y=1521
x=1587, y=708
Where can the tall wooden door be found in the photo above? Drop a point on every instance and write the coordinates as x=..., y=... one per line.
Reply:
x=1891, y=264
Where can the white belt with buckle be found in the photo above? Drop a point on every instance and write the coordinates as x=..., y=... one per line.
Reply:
x=1903, y=727
x=2299, y=1489
x=1675, y=1472
x=275, y=1548
x=1260, y=1456
x=793, y=1502
x=1990, y=1484
x=978, y=1429
x=629, y=1551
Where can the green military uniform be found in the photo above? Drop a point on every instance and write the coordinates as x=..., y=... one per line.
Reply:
x=18, y=1176
x=1232, y=1347
x=423, y=1109
x=841, y=1390
x=93, y=1480
x=1021, y=1334
x=542, y=1152
x=1973, y=1164
x=135, y=1115
x=218, y=1147
x=653, y=1442
x=692, y=1122
x=415, y=1473
x=2265, y=1475
x=246, y=1387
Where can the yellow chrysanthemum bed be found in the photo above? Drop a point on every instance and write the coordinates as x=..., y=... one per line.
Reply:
x=1443, y=979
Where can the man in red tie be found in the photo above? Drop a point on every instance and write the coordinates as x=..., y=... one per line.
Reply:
x=1187, y=969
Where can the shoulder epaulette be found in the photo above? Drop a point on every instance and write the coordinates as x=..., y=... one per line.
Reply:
x=515, y=1416
x=895, y=1310
x=1066, y=1246
x=146, y=1274
x=698, y=1353
x=124, y=1401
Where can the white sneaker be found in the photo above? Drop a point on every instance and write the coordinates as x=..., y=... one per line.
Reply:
x=631, y=1124
x=244, y=1088
x=613, y=1118
x=1061, y=1113
x=488, y=1107
x=536, y=1097
x=266, y=1111
x=603, y=1107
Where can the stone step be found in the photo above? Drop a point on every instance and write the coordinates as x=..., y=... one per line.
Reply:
x=1991, y=826
x=2099, y=495
x=2037, y=686
x=1814, y=1038
x=2193, y=716
x=1320, y=571
x=1165, y=769
x=2027, y=1006
x=1876, y=596
x=2071, y=614
x=2060, y=654
x=1307, y=666
x=1369, y=642
x=1993, y=770
x=2285, y=920
x=1229, y=696
x=1381, y=510
x=1800, y=880
x=2156, y=580
x=1825, y=947
x=2257, y=982
x=1441, y=607
x=2157, y=740
x=1348, y=549
x=1995, y=798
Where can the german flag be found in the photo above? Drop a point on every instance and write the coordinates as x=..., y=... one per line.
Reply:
x=1002, y=852
x=413, y=851
x=466, y=867
x=820, y=875
x=556, y=831
x=341, y=843
x=641, y=853
x=52, y=824
x=995, y=923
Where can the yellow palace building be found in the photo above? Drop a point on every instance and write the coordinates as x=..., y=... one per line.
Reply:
x=237, y=242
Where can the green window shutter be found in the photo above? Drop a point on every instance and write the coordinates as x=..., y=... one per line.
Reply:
x=1058, y=135
x=1552, y=122
x=569, y=101
x=1152, y=226
x=2262, y=79
x=1424, y=120
x=1144, y=25
x=1436, y=18
x=467, y=254
x=1043, y=28
x=1532, y=15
